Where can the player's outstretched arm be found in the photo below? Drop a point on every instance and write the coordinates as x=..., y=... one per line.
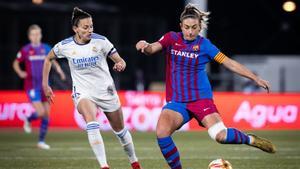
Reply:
x=46, y=69
x=148, y=48
x=120, y=64
x=240, y=69
x=59, y=70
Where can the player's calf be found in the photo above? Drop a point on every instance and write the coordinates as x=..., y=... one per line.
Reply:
x=225, y=135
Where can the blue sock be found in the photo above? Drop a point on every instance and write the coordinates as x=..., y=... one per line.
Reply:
x=235, y=136
x=169, y=151
x=32, y=117
x=43, y=129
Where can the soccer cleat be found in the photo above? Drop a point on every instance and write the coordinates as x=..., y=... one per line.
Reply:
x=43, y=145
x=136, y=165
x=27, y=126
x=104, y=168
x=262, y=143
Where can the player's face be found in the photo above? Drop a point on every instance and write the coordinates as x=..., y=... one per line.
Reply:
x=84, y=29
x=190, y=28
x=35, y=36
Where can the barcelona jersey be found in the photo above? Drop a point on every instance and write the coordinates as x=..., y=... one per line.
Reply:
x=33, y=57
x=186, y=77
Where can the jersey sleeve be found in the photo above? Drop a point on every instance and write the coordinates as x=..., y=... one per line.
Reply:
x=108, y=48
x=57, y=49
x=166, y=40
x=21, y=55
x=212, y=51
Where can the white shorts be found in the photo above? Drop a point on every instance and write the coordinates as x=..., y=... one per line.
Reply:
x=108, y=102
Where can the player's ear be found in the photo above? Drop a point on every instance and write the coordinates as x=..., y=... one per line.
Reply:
x=74, y=28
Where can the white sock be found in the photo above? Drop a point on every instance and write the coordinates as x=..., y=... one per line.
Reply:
x=96, y=142
x=125, y=139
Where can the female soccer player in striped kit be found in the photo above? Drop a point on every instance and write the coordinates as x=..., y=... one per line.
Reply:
x=33, y=55
x=188, y=90
x=93, y=85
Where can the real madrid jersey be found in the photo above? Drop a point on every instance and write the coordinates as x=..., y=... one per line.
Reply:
x=186, y=77
x=88, y=65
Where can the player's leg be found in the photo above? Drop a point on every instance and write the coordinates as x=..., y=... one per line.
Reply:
x=207, y=114
x=173, y=116
x=218, y=132
x=88, y=110
x=117, y=123
x=35, y=98
x=44, y=126
x=223, y=135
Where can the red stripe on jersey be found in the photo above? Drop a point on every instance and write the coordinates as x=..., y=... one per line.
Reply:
x=182, y=78
x=175, y=78
x=196, y=79
x=196, y=72
x=189, y=74
x=169, y=77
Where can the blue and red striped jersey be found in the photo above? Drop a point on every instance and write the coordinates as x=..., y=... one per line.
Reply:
x=186, y=77
x=33, y=57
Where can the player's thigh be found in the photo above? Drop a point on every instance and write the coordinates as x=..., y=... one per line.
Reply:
x=39, y=108
x=35, y=97
x=115, y=119
x=46, y=106
x=204, y=111
x=87, y=109
x=169, y=121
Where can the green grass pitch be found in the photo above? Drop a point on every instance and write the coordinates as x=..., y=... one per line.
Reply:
x=70, y=150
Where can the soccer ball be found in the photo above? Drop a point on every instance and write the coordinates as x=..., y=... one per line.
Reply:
x=219, y=164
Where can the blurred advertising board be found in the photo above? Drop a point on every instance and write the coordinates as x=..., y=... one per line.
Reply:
x=141, y=110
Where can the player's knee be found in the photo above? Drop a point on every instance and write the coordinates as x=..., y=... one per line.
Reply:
x=218, y=132
x=41, y=112
x=163, y=131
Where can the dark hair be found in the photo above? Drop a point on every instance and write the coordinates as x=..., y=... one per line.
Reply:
x=191, y=11
x=77, y=15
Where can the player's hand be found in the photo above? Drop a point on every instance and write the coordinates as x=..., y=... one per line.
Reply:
x=141, y=46
x=22, y=74
x=49, y=93
x=263, y=83
x=120, y=66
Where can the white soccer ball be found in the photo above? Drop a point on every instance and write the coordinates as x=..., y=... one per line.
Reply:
x=219, y=164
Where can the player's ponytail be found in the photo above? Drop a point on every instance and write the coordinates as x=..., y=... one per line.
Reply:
x=190, y=11
x=77, y=15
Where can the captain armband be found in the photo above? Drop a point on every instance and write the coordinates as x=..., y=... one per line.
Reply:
x=220, y=57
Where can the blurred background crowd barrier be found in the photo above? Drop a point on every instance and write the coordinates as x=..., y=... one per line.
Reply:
x=141, y=111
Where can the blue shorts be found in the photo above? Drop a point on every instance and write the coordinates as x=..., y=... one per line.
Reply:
x=36, y=95
x=180, y=108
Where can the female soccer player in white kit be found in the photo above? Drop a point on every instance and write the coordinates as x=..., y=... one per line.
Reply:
x=93, y=85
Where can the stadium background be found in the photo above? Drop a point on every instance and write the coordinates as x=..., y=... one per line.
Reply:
x=258, y=33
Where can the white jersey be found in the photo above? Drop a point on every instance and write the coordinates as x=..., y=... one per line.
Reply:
x=88, y=65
